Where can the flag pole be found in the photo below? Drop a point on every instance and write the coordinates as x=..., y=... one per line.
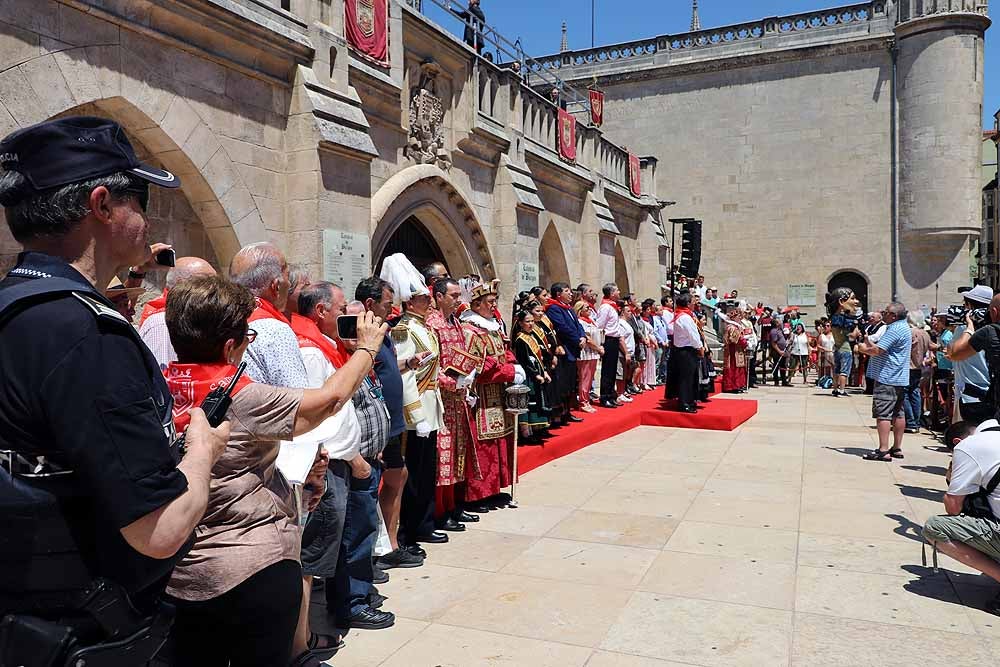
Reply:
x=592, y=22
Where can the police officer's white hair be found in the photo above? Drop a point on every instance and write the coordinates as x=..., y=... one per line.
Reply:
x=256, y=266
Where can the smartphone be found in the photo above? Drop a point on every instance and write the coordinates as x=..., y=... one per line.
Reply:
x=166, y=257
x=428, y=360
x=347, y=327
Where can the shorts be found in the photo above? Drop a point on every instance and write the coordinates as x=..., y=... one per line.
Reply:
x=325, y=527
x=980, y=534
x=799, y=361
x=887, y=402
x=392, y=455
x=844, y=362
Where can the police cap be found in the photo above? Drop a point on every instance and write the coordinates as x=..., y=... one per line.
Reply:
x=73, y=149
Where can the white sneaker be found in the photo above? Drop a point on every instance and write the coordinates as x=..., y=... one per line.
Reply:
x=624, y=399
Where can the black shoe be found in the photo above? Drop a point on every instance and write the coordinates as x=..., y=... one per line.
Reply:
x=690, y=409
x=477, y=509
x=415, y=550
x=401, y=557
x=449, y=524
x=465, y=517
x=369, y=619
x=375, y=600
x=380, y=576
x=574, y=418
x=437, y=537
x=608, y=404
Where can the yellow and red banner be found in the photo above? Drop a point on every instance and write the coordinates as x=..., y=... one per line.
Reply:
x=596, y=107
x=567, y=136
x=634, y=175
x=367, y=26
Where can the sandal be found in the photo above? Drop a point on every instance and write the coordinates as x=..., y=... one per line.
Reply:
x=323, y=646
x=878, y=455
x=896, y=453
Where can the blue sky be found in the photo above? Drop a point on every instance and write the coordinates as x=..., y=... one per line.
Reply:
x=538, y=24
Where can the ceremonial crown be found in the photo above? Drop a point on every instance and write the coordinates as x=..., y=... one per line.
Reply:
x=485, y=289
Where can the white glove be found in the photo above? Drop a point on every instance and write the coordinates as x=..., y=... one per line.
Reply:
x=471, y=399
x=423, y=428
x=466, y=381
x=519, y=376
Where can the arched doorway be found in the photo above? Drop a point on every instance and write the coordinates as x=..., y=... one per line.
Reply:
x=621, y=270
x=853, y=281
x=552, y=259
x=413, y=240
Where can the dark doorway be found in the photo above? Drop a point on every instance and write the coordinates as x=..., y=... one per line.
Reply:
x=853, y=281
x=413, y=240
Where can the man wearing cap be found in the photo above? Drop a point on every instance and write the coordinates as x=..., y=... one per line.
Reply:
x=83, y=405
x=972, y=375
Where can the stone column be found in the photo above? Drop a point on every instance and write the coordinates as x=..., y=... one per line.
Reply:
x=939, y=92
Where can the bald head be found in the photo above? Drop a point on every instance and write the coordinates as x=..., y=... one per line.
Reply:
x=262, y=269
x=188, y=267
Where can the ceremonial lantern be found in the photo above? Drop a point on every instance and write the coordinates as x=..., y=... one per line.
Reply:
x=517, y=399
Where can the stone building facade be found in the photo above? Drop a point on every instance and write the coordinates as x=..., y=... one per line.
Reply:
x=826, y=148
x=281, y=132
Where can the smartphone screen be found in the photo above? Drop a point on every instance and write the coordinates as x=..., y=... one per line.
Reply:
x=347, y=327
x=166, y=257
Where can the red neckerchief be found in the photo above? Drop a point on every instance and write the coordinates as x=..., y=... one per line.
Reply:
x=309, y=335
x=683, y=311
x=612, y=304
x=154, y=306
x=585, y=318
x=266, y=311
x=558, y=303
x=190, y=384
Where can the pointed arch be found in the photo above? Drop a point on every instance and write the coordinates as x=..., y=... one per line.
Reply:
x=552, y=267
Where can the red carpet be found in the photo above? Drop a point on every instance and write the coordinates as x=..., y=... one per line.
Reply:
x=647, y=409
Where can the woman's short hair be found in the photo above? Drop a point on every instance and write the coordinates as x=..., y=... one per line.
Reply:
x=203, y=313
x=916, y=319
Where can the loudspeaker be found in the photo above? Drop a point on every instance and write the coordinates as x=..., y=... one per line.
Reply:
x=690, y=248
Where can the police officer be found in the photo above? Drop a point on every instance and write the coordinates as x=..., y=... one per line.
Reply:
x=90, y=488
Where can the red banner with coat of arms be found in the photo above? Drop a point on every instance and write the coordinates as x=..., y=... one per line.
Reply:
x=634, y=175
x=567, y=136
x=367, y=27
x=596, y=107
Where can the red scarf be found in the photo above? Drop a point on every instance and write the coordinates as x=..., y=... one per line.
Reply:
x=154, y=306
x=612, y=304
x=266, y=311
x=584, y=316
x=683, y=311
x=557, y=304
x=190, y=384
x=309, y=335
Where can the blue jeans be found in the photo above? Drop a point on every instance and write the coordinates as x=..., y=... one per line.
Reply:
x=912, y=404
x=353, y=578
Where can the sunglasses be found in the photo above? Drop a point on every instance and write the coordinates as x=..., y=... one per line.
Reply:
x=141, y=193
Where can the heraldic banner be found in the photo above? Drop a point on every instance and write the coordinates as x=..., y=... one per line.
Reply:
x=367, y=27
x=634, y=175
x=596, y=107
x=567, y=136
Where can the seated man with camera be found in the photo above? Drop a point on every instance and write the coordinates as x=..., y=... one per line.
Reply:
x=970, y=531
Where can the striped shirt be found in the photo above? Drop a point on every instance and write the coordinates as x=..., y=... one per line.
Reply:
x=373, y=416
x=892, y=367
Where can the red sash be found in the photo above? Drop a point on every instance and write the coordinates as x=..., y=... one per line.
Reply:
x=309, y=335
x=612, y=304
x=191, y=383
x=683, y=311
x=157, y=305
x=557, y=303
x=266, y=311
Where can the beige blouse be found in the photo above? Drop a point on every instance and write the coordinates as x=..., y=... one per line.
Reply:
x=250, y=522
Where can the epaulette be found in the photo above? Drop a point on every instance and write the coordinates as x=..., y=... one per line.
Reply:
x=101, y=310
x=399, y=334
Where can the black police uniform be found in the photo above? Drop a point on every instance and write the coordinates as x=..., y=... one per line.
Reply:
x=81, y=390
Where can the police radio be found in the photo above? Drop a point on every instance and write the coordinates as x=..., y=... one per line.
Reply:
x=216, y=405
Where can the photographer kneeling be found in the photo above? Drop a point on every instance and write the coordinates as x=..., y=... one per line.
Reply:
x=970, y=532
x=239, y=588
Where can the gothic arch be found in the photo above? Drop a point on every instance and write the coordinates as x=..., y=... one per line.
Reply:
x=428, y=194
x=856, y=280
x=552, y=266
x=621, y=270
x=113, y=81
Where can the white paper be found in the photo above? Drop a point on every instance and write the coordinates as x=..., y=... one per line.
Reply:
x=296, y=458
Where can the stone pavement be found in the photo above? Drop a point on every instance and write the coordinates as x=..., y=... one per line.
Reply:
x=771, y=545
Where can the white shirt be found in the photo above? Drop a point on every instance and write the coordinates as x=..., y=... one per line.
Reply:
x=627, y=334
x=343, y=429
x=976, y=460
x=800, y=344
x=700, y=291
x=608, y=319
x=274, y=358
x=826, y=342
x=154, y=334
x=686, y=332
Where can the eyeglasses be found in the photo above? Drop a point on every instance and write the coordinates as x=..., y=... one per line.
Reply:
x=141, y=194
x=250, y=336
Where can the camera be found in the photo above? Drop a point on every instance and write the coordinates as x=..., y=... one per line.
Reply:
x=956, y=315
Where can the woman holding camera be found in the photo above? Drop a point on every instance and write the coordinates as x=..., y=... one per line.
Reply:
x=238, y=589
